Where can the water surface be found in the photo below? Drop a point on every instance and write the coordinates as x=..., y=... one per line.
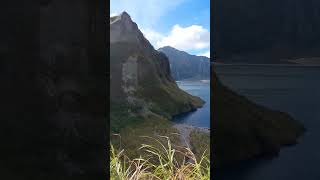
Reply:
x=200, y=117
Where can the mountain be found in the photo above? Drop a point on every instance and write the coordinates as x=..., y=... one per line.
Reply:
x=244, y=130
x=186, y=66
x=266, y=31
x=140, y=75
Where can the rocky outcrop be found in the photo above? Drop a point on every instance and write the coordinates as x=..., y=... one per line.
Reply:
x=141, y=75
x=186, y=66
x=243, y=130
x=266, y=31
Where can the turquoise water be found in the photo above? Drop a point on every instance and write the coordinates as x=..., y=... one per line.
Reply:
x=292, y=89
x=200, y=117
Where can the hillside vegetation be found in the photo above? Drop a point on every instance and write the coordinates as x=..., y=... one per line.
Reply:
x=164, y=161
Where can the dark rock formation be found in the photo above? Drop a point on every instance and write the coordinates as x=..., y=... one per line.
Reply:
x=54, y=91
x=186, y=66
x=140, y=75
x=243, y=130
x=266, y=31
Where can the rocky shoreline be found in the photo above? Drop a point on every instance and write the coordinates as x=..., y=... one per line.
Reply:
x=185, y=130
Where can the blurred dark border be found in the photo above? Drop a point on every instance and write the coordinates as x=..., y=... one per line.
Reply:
x=42, y=91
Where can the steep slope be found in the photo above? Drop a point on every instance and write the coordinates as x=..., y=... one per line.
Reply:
x=186, y=66
x=140, y=75
x=266, y=31
x=243, y=130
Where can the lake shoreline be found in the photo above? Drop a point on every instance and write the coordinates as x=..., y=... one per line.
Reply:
x=199, y=117
x=185, y=130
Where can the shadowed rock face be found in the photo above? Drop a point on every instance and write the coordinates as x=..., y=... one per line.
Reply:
x=243, y=130
x=53, y=124
x=186, y=66
x=266, y=30
x=140, y=75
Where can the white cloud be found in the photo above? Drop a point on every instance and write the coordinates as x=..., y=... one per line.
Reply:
x=153, y=36
x=187, y=38
x=207, y=54
x=192, y=38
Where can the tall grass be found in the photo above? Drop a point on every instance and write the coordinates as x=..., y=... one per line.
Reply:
x=159, y=162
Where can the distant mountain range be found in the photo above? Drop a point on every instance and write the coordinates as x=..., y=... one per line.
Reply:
x=186, y=66
x=270, y=31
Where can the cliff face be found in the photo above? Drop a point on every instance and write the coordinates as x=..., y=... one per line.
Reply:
x=266, y=30
x=140, y=75
x=243, y=130
x=54, y=89
x=186, y=66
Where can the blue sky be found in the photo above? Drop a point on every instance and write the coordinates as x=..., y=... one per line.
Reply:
x=183, y=24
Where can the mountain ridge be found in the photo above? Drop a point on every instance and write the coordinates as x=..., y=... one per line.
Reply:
x=186, y=66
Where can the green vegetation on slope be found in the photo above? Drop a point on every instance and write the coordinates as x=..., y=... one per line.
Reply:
x=128, y=128
x=129, y=132
x=200, y=143
x=180, y=101
x=122, y=115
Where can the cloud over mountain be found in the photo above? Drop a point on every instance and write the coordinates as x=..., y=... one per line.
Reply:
x=193, y=37
x=188, y=38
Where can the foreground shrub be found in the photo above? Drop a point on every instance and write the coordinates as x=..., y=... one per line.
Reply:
x=159, y=162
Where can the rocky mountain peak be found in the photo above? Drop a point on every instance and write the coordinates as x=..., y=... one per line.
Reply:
x=125, y=15
x=123, y=29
